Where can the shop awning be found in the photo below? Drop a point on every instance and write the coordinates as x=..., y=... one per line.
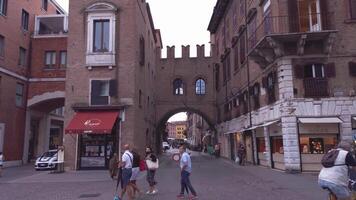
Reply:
x=270, y=123
x=320, y=120
x=92, y=122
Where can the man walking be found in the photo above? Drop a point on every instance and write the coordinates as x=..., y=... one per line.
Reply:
x=126, y=165
x=186, y=170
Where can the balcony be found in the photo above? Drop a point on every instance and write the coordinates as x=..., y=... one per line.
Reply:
x=316, y=87
x=279, y=36
x=51, y=26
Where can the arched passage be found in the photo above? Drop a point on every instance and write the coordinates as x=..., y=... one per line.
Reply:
x=161, y=125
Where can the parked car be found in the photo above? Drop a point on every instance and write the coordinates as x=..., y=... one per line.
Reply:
x=48, y=160
x=165, y=146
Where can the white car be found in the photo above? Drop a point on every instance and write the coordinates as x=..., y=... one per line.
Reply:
x=165, y=146
x=47, y=160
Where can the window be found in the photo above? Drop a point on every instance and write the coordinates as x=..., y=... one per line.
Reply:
x=236, y=57
x=178, y=87
x=142, y=51
x=140, y=98
x=22, y=56
x=24, y=20
x=242, y=48
x=50, y=59
x=256, y=96
x=3, y=7
x=45, y=4
x=19, y=94
x=353, y=9
x=100, y=92
x=200, y=87
x=101, y=35
x=314, y=71
x=266, y=6
x=217, y=77
x=63, y=59
x=2, y=46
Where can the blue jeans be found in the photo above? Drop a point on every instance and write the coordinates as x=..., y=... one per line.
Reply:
x=126, y=176
x=185, y=183
x=340, y=191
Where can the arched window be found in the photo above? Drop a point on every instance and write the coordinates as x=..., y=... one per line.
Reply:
x=178, y=87
x=200, y=87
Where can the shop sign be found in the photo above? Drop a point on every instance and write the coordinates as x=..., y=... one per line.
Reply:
x=318, y=128
x=92, y=122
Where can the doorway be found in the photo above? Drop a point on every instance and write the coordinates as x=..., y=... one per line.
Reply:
x=310, y=15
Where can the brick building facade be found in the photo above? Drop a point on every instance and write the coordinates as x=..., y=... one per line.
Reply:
x=288, y=69
x=18, y=79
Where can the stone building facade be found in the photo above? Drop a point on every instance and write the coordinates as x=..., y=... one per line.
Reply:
x=22, y=78
x=285, y=79
x=197, y=130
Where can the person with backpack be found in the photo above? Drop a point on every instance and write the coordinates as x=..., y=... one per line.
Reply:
x=126, y=165
x=152, y=166
x=335, y=172
x=135, y=171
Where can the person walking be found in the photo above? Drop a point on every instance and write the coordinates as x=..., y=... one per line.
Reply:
x=126, y=165
x=1, y=162
x=241, y=153
x=135, y=171
x=186, y=170
x=151, y=159
x=113, y=166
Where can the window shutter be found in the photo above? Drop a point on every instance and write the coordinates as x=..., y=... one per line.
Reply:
x=352, y=68
x=142, y=51
x=236, y=57
x=330, y=70
x=250, y=90
x=242, y=48
x=95, y=88
x=293, y=15
x=113, y=88
x=264, y=82
x=324, y=14
x=299, y=71
x=353, y=9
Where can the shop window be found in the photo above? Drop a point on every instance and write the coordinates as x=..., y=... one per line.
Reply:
x=24, y=20
x=261, y=145
x=50, y=59
x=19, y=94
x=318, y=144
x=277, y=145
x=3, y=7
x=22, y=56
x=63, y=59
x=200, y=87
x=2, y=46
x=178, y=87
x=353, y=9
x=100, y=92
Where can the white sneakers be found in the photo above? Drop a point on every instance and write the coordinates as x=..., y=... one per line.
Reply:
x=153, y=192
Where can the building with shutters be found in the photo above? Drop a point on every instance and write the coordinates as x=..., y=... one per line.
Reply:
x=285, y=79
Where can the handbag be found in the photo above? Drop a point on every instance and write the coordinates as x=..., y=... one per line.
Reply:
x=142, y=165
x=152, y=165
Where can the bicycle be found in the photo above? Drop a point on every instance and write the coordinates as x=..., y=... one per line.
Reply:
x=332, y=196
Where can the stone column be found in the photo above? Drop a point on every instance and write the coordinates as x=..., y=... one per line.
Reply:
x=268, y=145
x=255, y=150
x=26, y=137
x=285, y=79
x=291, y=144
x=346, y=126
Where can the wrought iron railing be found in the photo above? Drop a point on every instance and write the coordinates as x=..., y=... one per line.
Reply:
x=290, y=24
x=316, y=87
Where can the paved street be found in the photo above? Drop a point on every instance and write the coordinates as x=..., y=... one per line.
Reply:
x=213, y=179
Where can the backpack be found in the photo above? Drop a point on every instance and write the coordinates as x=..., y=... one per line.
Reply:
x=329, y=158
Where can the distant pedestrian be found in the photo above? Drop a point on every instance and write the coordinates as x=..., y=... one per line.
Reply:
x=113, y=166
x=186, y=170
x=217, y=150
x=126, y=165
x=1, y=162
x=152, y=166
x=241, y=153
x=135, y=171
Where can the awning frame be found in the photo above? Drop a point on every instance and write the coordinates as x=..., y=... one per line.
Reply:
x=319, y=120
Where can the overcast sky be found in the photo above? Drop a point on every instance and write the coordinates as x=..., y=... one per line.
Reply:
x=181, y=22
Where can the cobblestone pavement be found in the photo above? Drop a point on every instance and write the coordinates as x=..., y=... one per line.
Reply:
x=213, y=179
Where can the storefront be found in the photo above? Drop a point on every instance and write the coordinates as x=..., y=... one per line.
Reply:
x=98, y=134
x=262, y=158
x=276, y=146
x=316, y=137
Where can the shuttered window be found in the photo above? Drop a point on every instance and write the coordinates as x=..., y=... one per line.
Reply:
x=3, y=7
x=142, y=51
x=353, y=9
x=242, y=48
x=352, y=68
x=101, y=90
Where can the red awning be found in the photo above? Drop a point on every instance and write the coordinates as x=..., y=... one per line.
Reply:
x=92, y=122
